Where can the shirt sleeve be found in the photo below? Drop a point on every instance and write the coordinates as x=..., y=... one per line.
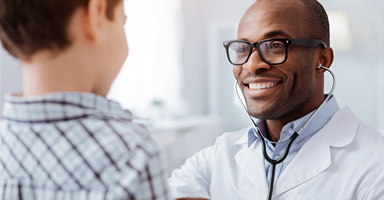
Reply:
x=144, y=181
x=142, y=173
x=194, y=177
x=377, y=189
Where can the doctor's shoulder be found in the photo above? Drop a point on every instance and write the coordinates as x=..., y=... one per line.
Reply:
x=369, y=137
x=369, y=145
x=353, y=138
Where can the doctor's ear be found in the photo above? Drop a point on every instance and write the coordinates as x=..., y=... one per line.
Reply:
x=325, y=59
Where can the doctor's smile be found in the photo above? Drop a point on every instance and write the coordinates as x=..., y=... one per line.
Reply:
x=260, y=88
x=264, y=85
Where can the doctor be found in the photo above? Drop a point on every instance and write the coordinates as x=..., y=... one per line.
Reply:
x=335, y=157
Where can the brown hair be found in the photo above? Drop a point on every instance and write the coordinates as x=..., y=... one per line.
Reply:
x=28, y=26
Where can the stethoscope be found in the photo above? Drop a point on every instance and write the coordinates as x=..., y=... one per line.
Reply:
x=291, y=139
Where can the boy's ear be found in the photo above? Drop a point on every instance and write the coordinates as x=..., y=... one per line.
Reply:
x=95, y=19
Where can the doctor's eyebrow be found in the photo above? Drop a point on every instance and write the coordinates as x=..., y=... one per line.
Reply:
x=272, y=34
x=276, y=33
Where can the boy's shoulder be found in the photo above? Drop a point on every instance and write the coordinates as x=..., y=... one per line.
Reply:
x=106, y=148
x=127, y=135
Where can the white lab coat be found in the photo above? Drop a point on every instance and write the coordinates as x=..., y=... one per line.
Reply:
x=343, y=161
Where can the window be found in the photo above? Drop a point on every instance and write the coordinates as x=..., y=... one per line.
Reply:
x=152, y=71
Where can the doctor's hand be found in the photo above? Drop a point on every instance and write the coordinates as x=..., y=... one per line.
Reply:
x=191, y=199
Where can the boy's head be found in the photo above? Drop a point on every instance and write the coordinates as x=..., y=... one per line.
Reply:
x=65, y=45
x=28, y=26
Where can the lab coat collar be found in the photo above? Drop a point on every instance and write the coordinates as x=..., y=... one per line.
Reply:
x=347, y=133
x=244, y=138
x=338, y=132
x=321, y=118
x=251, y=162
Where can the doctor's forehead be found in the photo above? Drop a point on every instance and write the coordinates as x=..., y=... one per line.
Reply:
x=267, y=17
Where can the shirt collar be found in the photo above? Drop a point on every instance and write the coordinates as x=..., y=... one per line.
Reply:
x=60, y=106
x=318, y=121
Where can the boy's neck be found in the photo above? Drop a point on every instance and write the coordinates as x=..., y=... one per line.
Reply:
x=65, y=72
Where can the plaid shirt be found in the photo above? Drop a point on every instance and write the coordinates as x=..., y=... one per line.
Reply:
x=76, y=146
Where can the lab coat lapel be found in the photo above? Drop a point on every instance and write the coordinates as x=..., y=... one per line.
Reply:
x=310, y=162
x=307, y=164
x=250, y=160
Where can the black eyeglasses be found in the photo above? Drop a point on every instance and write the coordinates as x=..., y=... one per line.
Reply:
x=273, y=51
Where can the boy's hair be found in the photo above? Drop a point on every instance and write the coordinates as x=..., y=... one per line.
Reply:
x=28, y=26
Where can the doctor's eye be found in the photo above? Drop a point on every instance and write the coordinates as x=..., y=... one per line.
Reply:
x=275, y=47
x=241, y=49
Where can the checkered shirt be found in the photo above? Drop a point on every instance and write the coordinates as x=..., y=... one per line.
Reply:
x=76, y=146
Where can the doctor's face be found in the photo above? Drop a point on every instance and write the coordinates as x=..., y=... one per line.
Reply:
x=277, y=91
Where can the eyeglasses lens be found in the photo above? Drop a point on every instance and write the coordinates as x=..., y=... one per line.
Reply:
x=238, y=52
x=272, y=52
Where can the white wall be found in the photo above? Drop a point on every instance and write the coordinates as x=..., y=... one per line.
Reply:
x=207, y=75
x=10, y=74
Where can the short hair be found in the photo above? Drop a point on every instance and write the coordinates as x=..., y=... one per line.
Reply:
x=317, y=21
x=29, y=26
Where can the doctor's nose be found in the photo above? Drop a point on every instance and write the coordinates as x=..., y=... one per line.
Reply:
x=255, y=63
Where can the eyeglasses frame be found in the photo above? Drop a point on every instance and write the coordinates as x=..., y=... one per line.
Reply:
x=287, y=42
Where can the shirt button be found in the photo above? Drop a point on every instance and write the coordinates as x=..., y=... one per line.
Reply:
x=277, y=157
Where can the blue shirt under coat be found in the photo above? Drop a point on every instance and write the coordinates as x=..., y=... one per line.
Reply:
x=275, y=152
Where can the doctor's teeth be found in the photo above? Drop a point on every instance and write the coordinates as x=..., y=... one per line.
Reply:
x=258, y=86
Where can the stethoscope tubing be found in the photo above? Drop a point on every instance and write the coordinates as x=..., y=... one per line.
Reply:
x=257, y=130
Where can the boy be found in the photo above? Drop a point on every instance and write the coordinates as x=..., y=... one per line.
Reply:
x=61, y=138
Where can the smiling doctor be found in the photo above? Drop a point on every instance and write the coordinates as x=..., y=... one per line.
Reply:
x=279, y=59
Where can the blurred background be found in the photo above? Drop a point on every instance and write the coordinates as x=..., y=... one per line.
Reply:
x=178, y=82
